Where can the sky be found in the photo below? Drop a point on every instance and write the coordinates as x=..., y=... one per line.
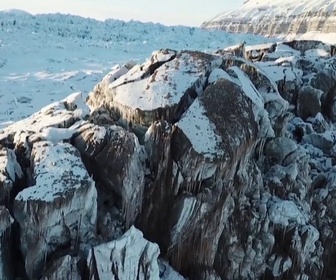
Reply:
x=169, y=12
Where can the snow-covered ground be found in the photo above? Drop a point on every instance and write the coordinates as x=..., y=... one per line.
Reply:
x=44, y=58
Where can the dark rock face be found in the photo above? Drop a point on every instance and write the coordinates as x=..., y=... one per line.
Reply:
x=60, y=208
x=225, y=161
x=10, y=172
x=6, y=267
x=114, y=156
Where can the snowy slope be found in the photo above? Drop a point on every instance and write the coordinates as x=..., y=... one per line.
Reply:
x=43, y=58
x=314, y=18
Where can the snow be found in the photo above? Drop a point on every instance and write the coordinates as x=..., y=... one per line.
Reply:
x=328, y=38
x=317, y=53
x=134, y=257
x=276, y=73
x=248, y=87
x=268, y=9
x=164, y=88
x=264, y=12
x=259, y=47
x=217, y=74
x=200, y=131
x=57, y=169
x=10, y=164
x=285, y=212
x=187, y=210
x=44, y=58
x=48, y=122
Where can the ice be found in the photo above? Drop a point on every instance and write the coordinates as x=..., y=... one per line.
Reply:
x=44, y=58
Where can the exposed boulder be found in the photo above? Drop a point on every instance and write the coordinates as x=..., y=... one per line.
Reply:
x=232, y=183
x=114, y=156
x=6, y=254
x=64, y=268
x=309, y=102
x=60, y=208
x=129, y=257
x=161, y=93
x=10, y=172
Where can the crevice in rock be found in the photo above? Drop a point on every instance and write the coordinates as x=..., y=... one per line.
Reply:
x=17, y=260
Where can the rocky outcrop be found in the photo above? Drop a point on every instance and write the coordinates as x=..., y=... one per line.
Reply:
x=227, y=173
x=10, y=173
x=6, y=254
x=149, y=92
x=280, y=18
x=60, y=208
x=114, y=156
x=129, y=257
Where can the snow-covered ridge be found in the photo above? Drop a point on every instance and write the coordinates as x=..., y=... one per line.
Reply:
x=280, y=17
x=45, y=57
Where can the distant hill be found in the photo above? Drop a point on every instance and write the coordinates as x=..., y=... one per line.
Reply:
x=300, y=19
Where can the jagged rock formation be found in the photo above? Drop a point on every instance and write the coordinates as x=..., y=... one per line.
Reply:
x=279, y=17
x=224, y=160
x=105, y=263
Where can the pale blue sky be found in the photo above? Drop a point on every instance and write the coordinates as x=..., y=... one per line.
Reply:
x=170, y=12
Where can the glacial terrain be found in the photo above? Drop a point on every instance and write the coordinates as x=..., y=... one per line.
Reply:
x=289, y=19
x=44, y=58
x=188, y=165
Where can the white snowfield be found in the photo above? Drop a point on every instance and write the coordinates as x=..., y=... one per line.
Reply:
x=44, y=58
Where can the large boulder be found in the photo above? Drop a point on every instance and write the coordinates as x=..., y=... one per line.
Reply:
x=129, y=257
x=60, y=208
x=10, y=172
x=162, y=88
x=114, y=156
x=6, y=254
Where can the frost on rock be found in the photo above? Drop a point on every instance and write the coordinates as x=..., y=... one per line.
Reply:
x=129, y=257
x=218, y=128
x=10, y=171
x=50, y=123
x=59, y=208
x=285, y=212
x=143, y=96
x=113, y=155
x=232, y=175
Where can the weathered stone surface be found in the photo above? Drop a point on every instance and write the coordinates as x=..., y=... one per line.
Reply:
x=60, y=208
x=10, y=172
x=114, y=156
x=281, y=150
x=323, y=141
x=241, y=185
x=309, y=102
x=164, y=92
x=129, y=257
x=6, y=265
x=63, y=269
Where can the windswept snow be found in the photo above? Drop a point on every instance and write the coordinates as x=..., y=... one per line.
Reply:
x=43, y=58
